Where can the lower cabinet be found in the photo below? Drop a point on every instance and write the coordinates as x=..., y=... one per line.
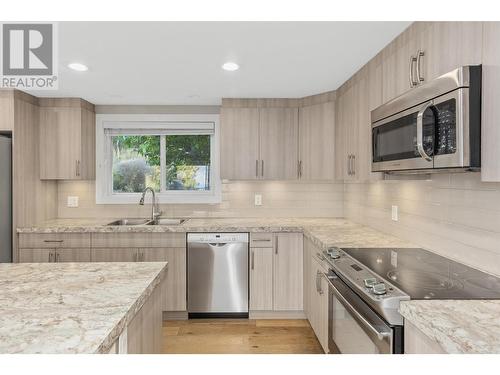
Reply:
x=319, y=303
x=149, y=247
x=175, y=282
x=276, y=273
x=261, y=278
x=35, y=255
x=119, y=254
x=416, y=342
x=287, y=278
x=54, y=255
x=316, y=293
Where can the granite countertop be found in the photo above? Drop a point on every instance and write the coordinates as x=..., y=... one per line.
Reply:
x=457, y=326
x=323, y=232
x=71, y=307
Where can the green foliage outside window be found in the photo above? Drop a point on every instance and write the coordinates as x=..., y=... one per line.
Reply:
x=136, y=162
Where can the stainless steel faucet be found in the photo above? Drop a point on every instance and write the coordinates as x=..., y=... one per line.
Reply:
x=155, y=210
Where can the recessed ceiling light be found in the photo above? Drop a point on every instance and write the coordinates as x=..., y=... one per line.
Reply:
x=230, y=66
x=78, y=67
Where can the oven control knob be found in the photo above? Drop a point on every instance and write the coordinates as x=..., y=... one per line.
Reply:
x=369, y=283
x=379, y=289
x=333, y=252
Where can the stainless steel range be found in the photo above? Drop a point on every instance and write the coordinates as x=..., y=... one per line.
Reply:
x=366, y=286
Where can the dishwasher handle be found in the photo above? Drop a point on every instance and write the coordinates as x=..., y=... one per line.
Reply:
x=218, y=244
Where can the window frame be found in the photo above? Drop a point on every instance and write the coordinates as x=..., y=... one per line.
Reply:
x=148, y=122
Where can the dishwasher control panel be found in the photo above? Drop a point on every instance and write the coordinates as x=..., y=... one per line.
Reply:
x=217, y=237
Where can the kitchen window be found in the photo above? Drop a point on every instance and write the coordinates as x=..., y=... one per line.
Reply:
x=176, y=155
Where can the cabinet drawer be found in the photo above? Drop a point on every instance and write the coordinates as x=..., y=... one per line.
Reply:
x=53, y=240
x=138, y=240
x=261, y=240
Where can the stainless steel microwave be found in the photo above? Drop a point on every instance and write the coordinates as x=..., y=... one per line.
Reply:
x=434, y=127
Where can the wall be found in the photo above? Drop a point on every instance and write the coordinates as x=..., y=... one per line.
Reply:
x=455, y=215
x=280, y=199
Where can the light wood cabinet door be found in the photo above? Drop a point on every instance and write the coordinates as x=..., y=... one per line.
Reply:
x=174, y=298
x=119, y=254
x=490, y=123
x=317, y=141
x=278, y=143
x=396, y=66
x=67, y=141
x=448, y=46
x=319, y=303
x=307, y=259
x=341, y=149
x=239, y=143
x=36, y=255
x=346, y=134
x=288, y=272
x=261, y=278
x=72, y=255
x=416, y=342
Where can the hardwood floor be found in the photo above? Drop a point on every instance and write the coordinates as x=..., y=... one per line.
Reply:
x=239, y=336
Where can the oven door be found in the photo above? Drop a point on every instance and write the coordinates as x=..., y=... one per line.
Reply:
x=353, y=327
x=430, y=135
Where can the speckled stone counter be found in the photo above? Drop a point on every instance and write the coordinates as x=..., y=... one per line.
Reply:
x=71, y=307
x=459, y=326
x=323, y=232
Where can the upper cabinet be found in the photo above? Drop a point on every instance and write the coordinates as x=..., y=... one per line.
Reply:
x=427, y=50
x=239, y=143
x=278, y=143
x=355, y=99
x=316, y=141
x=67, y=139
x=277, y=139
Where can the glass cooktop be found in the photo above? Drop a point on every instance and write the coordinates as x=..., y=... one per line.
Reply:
x=425, y=275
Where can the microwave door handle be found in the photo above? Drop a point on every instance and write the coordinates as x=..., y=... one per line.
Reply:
x=360, y=318
x=420, y=130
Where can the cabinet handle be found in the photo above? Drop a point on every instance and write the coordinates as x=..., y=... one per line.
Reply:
x=354, y=165
x=53, y=241
x=256, y=168
x=142, y=256
x=413, y=60
x=50, y=257
x=136, y=255
x=420, y=54
x=300, y=169
x=276, y=245
x=78, y=168
x=262, y=168
x=57, y=256
x=253, y=259
x=319, y=274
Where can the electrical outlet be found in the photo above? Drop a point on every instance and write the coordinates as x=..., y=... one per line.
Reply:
x=258, y=199
x=395, y=213
x=72, y=201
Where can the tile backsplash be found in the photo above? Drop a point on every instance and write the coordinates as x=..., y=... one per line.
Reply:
x=279, y=199
x=455, y=215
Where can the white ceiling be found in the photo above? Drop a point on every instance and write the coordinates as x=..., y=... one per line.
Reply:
x=175, y=63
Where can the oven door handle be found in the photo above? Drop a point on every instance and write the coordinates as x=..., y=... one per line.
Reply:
x=360, y=318
x=420, y=131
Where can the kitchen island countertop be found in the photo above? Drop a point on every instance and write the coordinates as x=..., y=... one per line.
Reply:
x=71, y=307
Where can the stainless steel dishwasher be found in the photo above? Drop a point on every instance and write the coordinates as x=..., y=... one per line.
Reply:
x=217, y=268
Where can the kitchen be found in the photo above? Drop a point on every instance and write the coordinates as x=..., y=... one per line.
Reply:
x=240, y=212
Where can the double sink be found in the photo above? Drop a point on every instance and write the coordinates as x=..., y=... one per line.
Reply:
x=135, y=222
